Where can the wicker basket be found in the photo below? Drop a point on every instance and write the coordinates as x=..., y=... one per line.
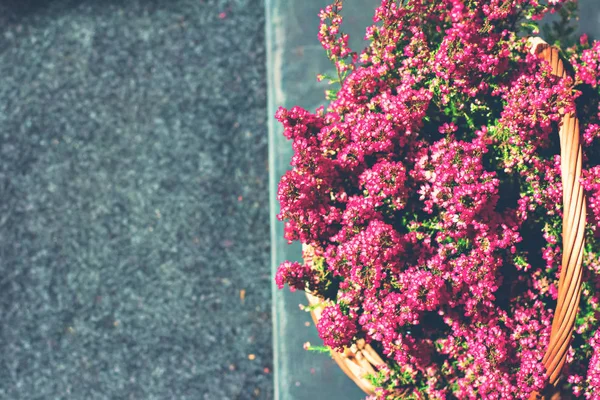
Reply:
x=361, y=359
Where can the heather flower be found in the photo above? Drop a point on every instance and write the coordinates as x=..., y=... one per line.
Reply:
x=335, y=328
x=591, y=184
x=429, y=189
x=587, y=66
x=385, y=183
x=593, y=375
x=297, y=276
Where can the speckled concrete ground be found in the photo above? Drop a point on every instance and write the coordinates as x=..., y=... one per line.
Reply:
x=133, y=200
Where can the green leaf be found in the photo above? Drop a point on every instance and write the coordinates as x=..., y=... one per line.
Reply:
x=331, y=95
x=531, y=27
x=310, y=307
x=319, y=349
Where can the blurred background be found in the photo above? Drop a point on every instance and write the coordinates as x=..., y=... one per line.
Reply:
x=134, y=239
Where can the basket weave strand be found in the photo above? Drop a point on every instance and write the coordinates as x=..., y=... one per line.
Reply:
x=574, y=215
x=361, y=359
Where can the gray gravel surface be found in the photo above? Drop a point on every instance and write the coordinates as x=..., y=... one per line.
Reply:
x=133, y=200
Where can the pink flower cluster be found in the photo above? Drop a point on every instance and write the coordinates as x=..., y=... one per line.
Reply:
x=429, y=191
x=297, y=276
x=336, y=328
x=587, y=64
x=591, y=184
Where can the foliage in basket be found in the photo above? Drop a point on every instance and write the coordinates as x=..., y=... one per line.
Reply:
x=429, y=190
